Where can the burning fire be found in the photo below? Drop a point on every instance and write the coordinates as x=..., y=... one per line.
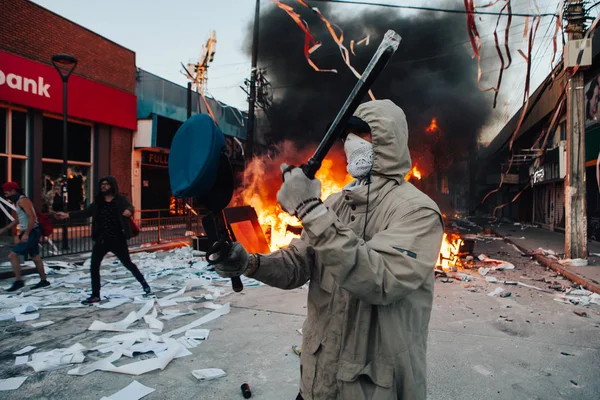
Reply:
x=263, y=179
x=450, y=251
x=433, y=126
x=413, y=173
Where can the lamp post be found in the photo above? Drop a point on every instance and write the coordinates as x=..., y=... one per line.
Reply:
x=65, y=64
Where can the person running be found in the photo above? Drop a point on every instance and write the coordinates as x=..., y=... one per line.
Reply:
x=27, y=238
x=110, y=213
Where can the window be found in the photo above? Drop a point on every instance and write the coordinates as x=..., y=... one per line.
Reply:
x=13, y=146
x=563, y=130
x=79, y=164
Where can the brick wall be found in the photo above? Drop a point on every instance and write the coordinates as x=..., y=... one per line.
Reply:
x=33, y=32
x=120, y=158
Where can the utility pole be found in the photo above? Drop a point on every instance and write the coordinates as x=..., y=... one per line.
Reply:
x=252, y=96
x=575, y=196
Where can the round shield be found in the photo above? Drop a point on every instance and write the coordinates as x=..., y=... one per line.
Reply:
x=198, y=165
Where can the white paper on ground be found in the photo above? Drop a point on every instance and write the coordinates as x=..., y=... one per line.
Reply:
x=187, y=342
x=533, y=287
x=496, y=292
x=134, y=391
x=208, y=374
x=201, y=334
x=56, y=360
x=183, y=299
x=153, y=322
x=299, y=331
x=211, y=305
x=113, y=303
x=12, y=383
x=167, y=302
x=595, y=298
x=121, y=326
x=207, y=318
x=491, y=279
x=20, y=360
x=73, y=305
x=41, y=324
x=6, y=316
x=136, y=368
x=26, y=317
x=24, y=309
x=24, y=350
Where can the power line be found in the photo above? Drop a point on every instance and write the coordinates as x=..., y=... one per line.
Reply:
x=435, y=9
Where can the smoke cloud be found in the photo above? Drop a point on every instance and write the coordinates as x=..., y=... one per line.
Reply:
x=432, y=75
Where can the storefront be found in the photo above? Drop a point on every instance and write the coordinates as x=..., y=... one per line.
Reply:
x=101, y=107
x=161, y=110
x=549, y=189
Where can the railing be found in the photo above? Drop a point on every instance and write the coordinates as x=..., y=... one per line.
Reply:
x=161, y=228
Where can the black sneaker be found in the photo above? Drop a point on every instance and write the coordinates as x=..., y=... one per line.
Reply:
x=40, y=284
x=15, y=286
x=147, y=290
x=91, y=300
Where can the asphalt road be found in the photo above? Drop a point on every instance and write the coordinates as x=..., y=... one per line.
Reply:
x=480, y=347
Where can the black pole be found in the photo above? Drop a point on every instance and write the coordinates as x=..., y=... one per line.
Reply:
x=252, y=100
x=65, y=149
x=65, y=64
x=189, y=100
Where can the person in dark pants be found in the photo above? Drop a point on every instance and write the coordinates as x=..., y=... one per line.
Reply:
x=110, y=213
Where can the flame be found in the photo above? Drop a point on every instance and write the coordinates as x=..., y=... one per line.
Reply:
x=450, y=251
x=413, y=173
x=172, y=206
x=433, y=126
x=263, y=180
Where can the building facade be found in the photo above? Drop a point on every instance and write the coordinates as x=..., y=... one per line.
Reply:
x=533, y=190
x=161, y=110
x=101, y=106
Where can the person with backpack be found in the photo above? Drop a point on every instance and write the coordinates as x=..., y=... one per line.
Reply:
x=111, y=215
x=27, y=239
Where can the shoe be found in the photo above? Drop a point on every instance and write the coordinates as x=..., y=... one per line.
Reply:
x=147, y=290
x=15, y=286
x=91, y=300
x=40, y=284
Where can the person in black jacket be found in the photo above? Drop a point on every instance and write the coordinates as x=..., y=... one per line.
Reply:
x=110, y=214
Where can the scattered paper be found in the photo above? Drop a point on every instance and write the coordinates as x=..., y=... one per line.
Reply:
x=208, y=373
x=153, y=322
x=496, y=292
x=299, y=331
x=207, y=318
x=24, y=350
x=113, y=303
x=491, y=279
x=533, y=287
x=57, y=358
x=26, y=317
x=41, y=324
x=500, y=265
x=575, y=262
x=201, y=334
x=12, y=383
x=121, y=326
x=24, y=309
x=133, y=391
x=20, y=360
x=595, y=298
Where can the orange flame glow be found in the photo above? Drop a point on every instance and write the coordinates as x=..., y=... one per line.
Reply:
x=413, y=173
x=450, y=251
x=263, y=180
x=433, y=126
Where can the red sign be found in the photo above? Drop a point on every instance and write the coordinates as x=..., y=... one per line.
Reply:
x=36, y=85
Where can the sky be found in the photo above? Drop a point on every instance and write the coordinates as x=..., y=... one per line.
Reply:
x=164, y=34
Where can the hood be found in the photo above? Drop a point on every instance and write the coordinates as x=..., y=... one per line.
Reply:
x=389, y=131
x=112, y=181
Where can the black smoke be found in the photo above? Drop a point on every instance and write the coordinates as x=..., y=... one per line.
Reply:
x=431, y=75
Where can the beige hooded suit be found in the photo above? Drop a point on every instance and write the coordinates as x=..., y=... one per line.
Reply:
x=370, y=296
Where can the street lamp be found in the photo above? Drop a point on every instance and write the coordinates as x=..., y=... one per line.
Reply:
x=65, y=64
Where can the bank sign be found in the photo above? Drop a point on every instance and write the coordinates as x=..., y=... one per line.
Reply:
x=32, y=84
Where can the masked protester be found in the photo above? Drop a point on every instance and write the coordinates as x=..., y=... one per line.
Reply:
x=27, y=239
x=369, y=254
x=110, y=230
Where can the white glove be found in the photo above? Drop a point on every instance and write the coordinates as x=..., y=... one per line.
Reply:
x=299, y=195
x=235, y=264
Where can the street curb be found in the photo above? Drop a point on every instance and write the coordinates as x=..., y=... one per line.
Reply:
x=591, y=286
x=165, y=246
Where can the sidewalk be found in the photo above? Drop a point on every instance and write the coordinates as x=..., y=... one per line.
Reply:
x=530, y=239
x=6, y=270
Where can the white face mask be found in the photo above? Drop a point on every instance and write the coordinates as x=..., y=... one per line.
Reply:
x=359, y=154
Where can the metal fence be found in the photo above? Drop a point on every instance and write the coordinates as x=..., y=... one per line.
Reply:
x=161, y=227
